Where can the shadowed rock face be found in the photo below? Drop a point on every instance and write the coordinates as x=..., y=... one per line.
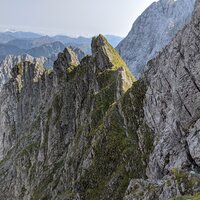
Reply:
x=153, y=30
x=171, y=107
x=173, y=100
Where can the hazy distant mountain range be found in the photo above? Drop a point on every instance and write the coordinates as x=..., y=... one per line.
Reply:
x=34, y=44
x=23, y=35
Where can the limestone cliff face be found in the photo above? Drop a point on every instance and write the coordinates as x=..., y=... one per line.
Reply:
x=69, y=133
x=172, y=101
x=153, y=30
x=171, y=106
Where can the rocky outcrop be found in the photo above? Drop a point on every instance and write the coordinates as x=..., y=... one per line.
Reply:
x=7, y=64
x=173, y=97
x=153, y=30
x=67, y=58
x=69, y=133
x=171, y=109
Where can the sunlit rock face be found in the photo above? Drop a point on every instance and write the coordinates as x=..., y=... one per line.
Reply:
x=153, y=30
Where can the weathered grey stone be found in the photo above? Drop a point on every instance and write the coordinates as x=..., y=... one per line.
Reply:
x=10, y=61
x=172, y=101
x=153, y=30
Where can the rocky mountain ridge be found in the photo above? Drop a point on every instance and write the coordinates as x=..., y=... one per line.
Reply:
x=89, y=131
x=9, y=62
x=71, y=106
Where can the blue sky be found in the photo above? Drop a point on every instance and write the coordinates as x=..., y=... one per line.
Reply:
x=71, y=17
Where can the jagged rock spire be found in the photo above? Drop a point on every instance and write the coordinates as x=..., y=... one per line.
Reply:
x=100, y=51
x=66, y=59
x=105, y=55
